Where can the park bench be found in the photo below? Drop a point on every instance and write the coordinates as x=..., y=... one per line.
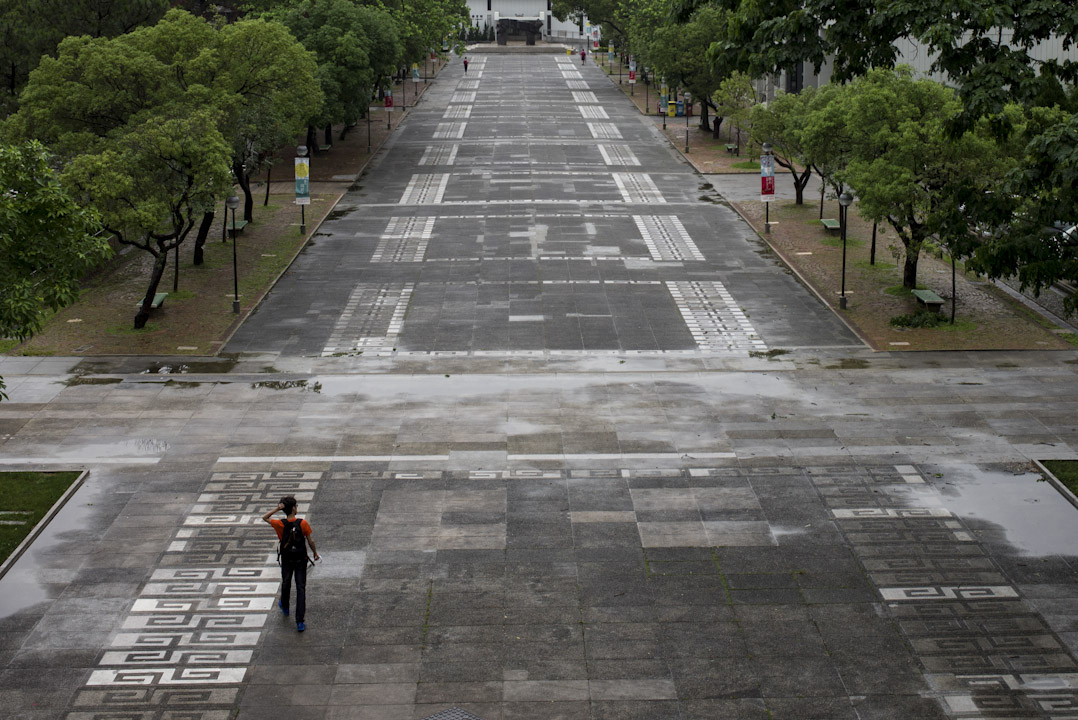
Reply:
x=730, y=147
x=929, y=299
x=325, y=148
x=237, y=227
x=158, y=301
x=831, y=223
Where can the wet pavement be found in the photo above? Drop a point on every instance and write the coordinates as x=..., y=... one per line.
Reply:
x=547, y=480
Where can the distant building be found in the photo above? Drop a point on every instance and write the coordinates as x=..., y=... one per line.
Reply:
x=487, y=13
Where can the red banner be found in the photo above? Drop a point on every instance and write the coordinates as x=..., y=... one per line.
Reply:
x=767, y=185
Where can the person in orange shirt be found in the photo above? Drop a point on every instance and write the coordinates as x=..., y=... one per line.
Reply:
x=293, y=535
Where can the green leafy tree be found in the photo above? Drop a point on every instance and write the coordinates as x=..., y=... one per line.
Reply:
x=679, y=52
x=735, y=99
x=30, y=29
x=904, y=160
x=353, y=45
x=779, y=123
x=824, y=135
x=47, y=241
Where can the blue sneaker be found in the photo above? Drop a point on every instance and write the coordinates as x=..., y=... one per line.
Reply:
x=284, y=610
x=300, y=627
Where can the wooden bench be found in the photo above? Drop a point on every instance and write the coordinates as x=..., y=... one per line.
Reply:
x=831, y=223
x=929, y=299
x=158, y=301
x=325, y=148
x=238, y=227
x=730, y=147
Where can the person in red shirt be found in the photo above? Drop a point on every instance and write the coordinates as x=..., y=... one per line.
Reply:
x=292, y=567
x=465, y=64
x=583, y=56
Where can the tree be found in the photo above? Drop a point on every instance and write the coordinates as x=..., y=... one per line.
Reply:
x=353, y=45
x=734, y=99
x=47, y=241
x=903, y=159
x=824, y=135
x=149, y=184
x=679, y=52
x=778, y=123
x=30, y=29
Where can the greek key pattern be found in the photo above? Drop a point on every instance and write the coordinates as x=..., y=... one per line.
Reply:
x=618, y=155
x=371, y=321
x=714, y=319
x=604, y=131
x=984, y=651
x=425, y=189
x=185, y=645
x=404, y=240
x=450, y=131
x=666, y=238
x=458, y=112
x=439, y=154
x=637, y=187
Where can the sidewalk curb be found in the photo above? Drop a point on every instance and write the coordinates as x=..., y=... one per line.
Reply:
x=43, y=523
x=1063, y=490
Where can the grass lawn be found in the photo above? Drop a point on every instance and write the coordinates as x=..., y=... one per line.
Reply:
x=1066, y=471
x=27, y=498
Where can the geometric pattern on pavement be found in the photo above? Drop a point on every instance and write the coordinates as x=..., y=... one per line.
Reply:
x=371, y=319
x=714, y=319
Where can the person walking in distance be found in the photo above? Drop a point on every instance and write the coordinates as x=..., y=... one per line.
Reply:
x=583, y=56
x=293, y=534
x=465, y=64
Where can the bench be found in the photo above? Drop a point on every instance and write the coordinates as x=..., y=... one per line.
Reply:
x=325, y=148
x=237, y=227
x=929, y=299
x=831, y=223
x=730, y=147
x=158, y=301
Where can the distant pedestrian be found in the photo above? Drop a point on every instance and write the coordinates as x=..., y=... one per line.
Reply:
x=465, y=64
x=583, y=56
x=293, y=535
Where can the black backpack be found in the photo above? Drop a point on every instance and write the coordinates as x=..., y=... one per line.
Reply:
x=293, y=548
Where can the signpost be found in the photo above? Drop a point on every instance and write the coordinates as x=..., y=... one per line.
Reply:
x=303, y=185
x=632, y=75
x=767, y=184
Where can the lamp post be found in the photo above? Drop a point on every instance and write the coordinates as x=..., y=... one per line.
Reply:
x=688, y=101
x=232, y=203
x=647, y=83
x=844, y=201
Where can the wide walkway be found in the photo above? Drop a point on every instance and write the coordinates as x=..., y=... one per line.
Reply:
x=574, y=447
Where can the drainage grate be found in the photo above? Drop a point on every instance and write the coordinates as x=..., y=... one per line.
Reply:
x=452, y=714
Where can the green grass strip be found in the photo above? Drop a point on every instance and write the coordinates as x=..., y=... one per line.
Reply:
x=1066, y=471
x=26, y=498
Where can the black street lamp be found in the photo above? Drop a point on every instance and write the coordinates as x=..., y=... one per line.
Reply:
x=844, y=201
x=232, y=203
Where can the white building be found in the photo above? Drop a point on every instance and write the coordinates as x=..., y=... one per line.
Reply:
x=488, y=12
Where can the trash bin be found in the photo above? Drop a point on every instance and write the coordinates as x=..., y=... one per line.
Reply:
x=680, y=108
x=671, y=109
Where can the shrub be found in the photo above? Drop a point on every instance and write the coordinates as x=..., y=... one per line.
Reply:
x=919, y=319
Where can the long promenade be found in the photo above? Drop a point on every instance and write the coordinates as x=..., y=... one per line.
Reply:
x=574, y=445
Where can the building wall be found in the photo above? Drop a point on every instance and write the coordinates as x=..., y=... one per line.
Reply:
x=482, y=13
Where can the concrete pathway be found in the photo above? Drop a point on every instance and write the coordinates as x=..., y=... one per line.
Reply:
x=571, y=447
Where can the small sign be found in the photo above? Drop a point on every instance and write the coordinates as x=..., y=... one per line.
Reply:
x=632, y=77
x=767, y=178
x=303, y=181
x=415, y=72
x=389, y=101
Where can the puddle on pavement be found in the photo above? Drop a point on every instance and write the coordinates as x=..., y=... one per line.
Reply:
x=315, y=387
x=73, y=381
x=25, y=584
x=1030, y=514
x=222, y=365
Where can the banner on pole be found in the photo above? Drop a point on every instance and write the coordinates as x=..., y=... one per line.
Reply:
x=303, y=181
x=767, y=178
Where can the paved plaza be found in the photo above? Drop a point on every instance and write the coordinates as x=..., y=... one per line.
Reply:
x=574, y=446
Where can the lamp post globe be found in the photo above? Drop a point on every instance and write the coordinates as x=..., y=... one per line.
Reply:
x=232, y=203
x=767, y=148
x=844, y=202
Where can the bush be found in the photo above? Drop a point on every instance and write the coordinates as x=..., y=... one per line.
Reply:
x=919, y=319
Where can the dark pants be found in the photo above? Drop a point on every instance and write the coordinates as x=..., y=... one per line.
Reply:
x=299, y=570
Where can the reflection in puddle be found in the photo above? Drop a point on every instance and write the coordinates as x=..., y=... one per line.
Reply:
x=1031, y=514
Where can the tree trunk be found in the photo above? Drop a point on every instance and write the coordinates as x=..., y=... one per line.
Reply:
x=312, y=140
x=705, y=125
x=240, y=171
x=800, y=181
x=909, y=268
x=203, y=233
x=872, y=252
x=143, y=314
x=269, y=173
x=954, y=295
x=329, y=135
x=823, y=187
x=715, y=127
